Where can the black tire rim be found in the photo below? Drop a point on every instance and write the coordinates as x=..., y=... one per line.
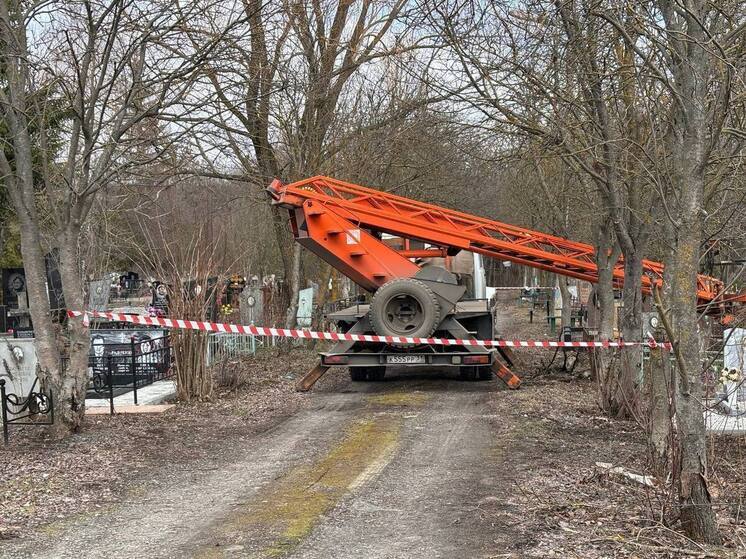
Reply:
x=403, y=314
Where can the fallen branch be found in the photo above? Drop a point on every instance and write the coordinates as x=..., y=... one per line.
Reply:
x=664, y=548
x=648, y=481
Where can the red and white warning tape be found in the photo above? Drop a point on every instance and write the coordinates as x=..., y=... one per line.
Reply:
x=529, y=288
x=334, y=336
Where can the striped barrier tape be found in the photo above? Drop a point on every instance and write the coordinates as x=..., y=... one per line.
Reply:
x=520, y=287
x=336, y=336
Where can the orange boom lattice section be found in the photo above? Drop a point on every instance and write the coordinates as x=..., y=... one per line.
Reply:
x=339, y=221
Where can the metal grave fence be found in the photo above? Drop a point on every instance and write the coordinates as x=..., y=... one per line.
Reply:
x=36, y=408
x=227, y=345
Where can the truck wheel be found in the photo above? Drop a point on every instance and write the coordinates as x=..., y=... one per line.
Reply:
x=485, y=373
x=358, y=374
x=404, y=307
x=376, y=374
x=468, y=373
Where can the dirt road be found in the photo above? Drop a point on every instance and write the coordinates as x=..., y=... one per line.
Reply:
x=394, y=469
x=422, y=467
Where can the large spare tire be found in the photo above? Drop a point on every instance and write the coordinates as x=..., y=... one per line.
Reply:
x=404, y=307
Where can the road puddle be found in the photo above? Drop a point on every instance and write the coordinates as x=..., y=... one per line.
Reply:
x=276, y=520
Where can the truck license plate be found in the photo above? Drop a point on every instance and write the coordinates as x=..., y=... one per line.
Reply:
x=394, y=359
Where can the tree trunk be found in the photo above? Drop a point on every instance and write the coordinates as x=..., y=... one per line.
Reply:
x=193, y=379
x=18, y=178
x=659, y=418
x=695, y=71
x=625, y=398
x=41, y=317
x=697, y=517
x=607, y=255
x=566, y=311
x=662, y=382
x=294, y=285
x=70, y=397
x=283, y=239
x=606, y=259
x=605, y=295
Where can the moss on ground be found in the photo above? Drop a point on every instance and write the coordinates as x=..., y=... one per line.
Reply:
x=399, y=398
x=286, y=511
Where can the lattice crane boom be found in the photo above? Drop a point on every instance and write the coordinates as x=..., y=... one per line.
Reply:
x=339, y=221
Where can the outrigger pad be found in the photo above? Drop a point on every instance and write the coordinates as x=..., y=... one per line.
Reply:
x=511, y=380
x=310, y=378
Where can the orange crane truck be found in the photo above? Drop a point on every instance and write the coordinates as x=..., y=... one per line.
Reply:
x=344, y=223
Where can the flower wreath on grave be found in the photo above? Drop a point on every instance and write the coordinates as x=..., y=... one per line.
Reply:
x=730, y=375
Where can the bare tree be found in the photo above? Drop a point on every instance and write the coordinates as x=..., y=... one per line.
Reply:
x=276, y=87
x=695, y=50
x=188, y=262
x=553, y=71
x=74, y=99
x=638, y=97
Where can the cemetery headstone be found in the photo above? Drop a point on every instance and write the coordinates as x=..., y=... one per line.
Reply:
x=251, y=304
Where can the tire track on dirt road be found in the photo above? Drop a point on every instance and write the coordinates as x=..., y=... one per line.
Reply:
x=427, y=502
x=394, y=469
x=156, y=519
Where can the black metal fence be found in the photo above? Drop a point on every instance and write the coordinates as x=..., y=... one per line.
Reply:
x=112, y=369
x=36, y=408
x=120, y=368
